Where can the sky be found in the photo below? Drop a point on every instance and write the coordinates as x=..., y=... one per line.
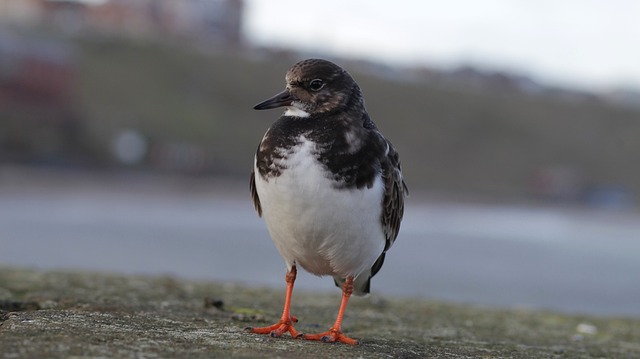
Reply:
x=592, y=44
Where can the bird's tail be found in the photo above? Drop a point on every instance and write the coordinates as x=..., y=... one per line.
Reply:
x=362, y=283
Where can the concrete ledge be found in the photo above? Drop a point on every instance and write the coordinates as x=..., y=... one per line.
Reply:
x=64, y=314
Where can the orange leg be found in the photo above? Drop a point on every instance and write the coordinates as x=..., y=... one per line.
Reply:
x=286, y=321
x=334, y=334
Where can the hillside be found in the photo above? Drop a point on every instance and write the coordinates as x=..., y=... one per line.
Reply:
x=452, y=139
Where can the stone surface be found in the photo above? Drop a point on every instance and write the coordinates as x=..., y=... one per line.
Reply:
x=78, y=314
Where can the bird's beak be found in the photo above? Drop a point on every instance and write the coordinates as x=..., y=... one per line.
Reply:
x=284, y=98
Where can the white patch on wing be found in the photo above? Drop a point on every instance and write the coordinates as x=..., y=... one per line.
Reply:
x=353, y=140
x=325, y=230
x=281, y=160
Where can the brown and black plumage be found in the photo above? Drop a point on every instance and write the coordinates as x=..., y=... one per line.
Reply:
x=328, y=184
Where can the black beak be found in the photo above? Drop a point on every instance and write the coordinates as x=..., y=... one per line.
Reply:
x=284, y=98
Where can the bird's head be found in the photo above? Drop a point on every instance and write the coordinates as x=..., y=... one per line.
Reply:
x=314, y=86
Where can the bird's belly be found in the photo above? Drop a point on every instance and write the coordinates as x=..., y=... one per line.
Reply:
x=324, y=229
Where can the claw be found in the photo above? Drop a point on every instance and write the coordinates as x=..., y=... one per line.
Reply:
x=277, y=329
x=331, y=336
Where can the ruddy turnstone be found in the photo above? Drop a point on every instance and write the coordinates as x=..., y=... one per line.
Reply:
x=329, y=186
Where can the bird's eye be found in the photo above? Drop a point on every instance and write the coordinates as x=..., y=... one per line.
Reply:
x=316, y=84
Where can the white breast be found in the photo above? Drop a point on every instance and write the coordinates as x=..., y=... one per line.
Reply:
x=325, y=230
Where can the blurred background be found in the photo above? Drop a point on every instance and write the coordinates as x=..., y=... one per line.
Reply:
x=127, y=136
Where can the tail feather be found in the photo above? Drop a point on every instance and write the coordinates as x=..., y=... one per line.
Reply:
x=362, y=284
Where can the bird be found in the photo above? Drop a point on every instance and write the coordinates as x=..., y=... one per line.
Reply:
x=329, y=186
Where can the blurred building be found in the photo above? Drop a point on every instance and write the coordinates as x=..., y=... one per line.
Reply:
x=35, y=70
x=39, y=121
x=211, y=20
x=557, y=183
x=21, y=12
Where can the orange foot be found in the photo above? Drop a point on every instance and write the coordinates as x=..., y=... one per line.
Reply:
x=332, y=335
x=278, y=329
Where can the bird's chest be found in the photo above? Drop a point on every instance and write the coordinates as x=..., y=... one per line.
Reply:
x=297, y=191
x=312, y=218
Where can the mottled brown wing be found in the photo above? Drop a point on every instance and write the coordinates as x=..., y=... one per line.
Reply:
x=393, y=208
x=394, y=192
x=254, y=193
